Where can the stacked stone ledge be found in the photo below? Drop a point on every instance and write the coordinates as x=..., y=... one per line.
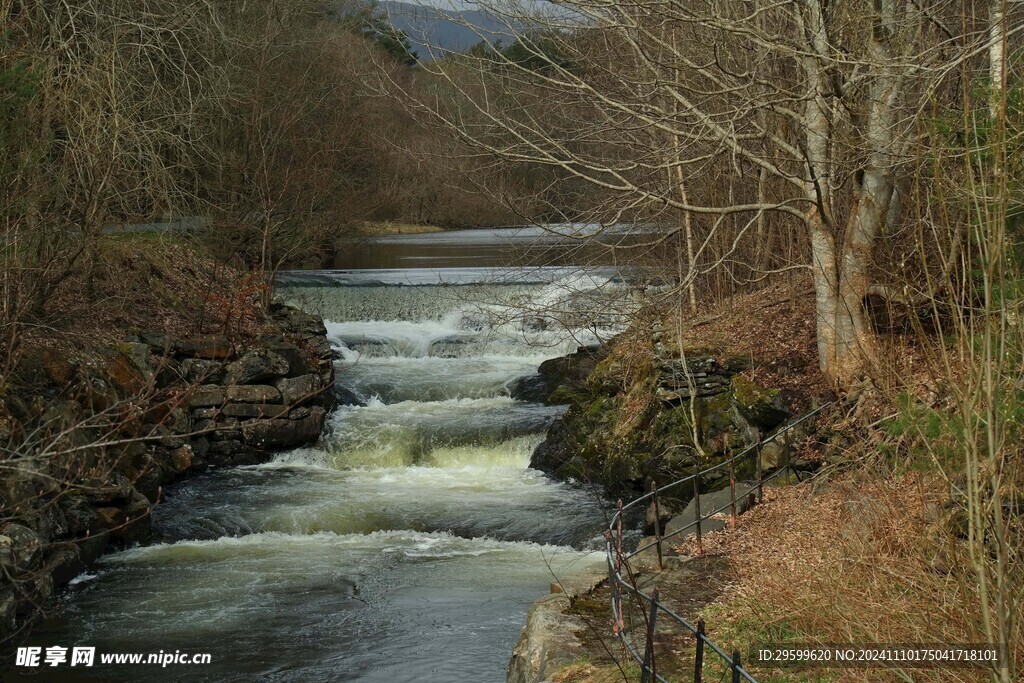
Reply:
x=212, y=404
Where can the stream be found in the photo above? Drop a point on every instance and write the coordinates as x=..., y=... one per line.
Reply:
x=408, y=544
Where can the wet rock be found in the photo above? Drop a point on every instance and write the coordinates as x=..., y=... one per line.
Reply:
x=256, y=366
x=548, y=641
x=346, y=397
x=529, y=388
x=554, y=451
x=568, y=375
x=270, y=434
x=65, y=563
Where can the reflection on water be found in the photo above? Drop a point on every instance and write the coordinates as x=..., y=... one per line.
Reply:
x=555, y=245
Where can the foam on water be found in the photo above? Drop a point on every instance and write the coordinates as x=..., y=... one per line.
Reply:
x=408, y=543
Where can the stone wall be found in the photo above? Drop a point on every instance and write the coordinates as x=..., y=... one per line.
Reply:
x=100, y=436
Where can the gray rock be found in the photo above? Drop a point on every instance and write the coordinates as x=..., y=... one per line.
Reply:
x=25, y=545
x=202, y=371
x=299, y=362
x=709, y=502
x=256, y=393
x=207, y=397
x=774, y=455
x=65, y=563
x=256, y=366
x=554, y=451
x=81, y=517
x=8, y=612
x=253, y=410
x=548, y=641
x=102, y=492
x=297, y=389
x=213, y=347
x=530, y=388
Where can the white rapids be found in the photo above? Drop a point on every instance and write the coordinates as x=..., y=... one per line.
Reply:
x=405, y=546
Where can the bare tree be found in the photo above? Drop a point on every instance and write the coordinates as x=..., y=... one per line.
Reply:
x=807, y=110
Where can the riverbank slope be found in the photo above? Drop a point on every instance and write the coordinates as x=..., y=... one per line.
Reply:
x=180, y=370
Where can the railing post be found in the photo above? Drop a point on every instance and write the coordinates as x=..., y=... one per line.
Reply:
x=736, y=666
x=732, y=493
x=760, y=473
x=696, y=510
x=698, y=658
x=613, y=582
x=649, y=669
x=620, y=621
x=657, y=523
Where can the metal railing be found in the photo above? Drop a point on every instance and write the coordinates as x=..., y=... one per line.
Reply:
x=618, y=561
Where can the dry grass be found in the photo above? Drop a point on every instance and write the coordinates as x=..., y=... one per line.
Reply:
x=862, y=562
x=771, y=328
x=153, y=284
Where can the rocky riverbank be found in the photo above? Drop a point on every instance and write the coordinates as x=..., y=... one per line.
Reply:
x=96, y=436
x=640, y=411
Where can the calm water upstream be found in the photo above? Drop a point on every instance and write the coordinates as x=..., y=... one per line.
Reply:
x=408, y=544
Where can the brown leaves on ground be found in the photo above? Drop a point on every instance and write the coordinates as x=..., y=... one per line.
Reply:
x=775, y=328
x=855, y=563
x=150, y=284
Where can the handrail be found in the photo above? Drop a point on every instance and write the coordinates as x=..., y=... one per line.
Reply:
x=617, y=561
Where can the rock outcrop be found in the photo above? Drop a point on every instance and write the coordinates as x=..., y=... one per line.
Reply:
x=104, y=434
x=639, y=415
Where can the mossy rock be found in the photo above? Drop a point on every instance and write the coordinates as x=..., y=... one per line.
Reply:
x=763, y=408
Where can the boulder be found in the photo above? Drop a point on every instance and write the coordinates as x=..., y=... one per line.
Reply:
x=774, y=455
x=255, y=367
x=763, y=408
x=80, y=515
x=65, y=563
x=299, y=361
x=554, y=451
x=102, y=491
x=709, y=502
x=529, y=388
x=180, y=459
x=567, y=375
x=548, y=640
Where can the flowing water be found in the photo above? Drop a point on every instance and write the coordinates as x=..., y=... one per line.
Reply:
x=408, y=544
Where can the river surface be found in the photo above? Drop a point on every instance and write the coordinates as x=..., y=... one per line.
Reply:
x=408, y=544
